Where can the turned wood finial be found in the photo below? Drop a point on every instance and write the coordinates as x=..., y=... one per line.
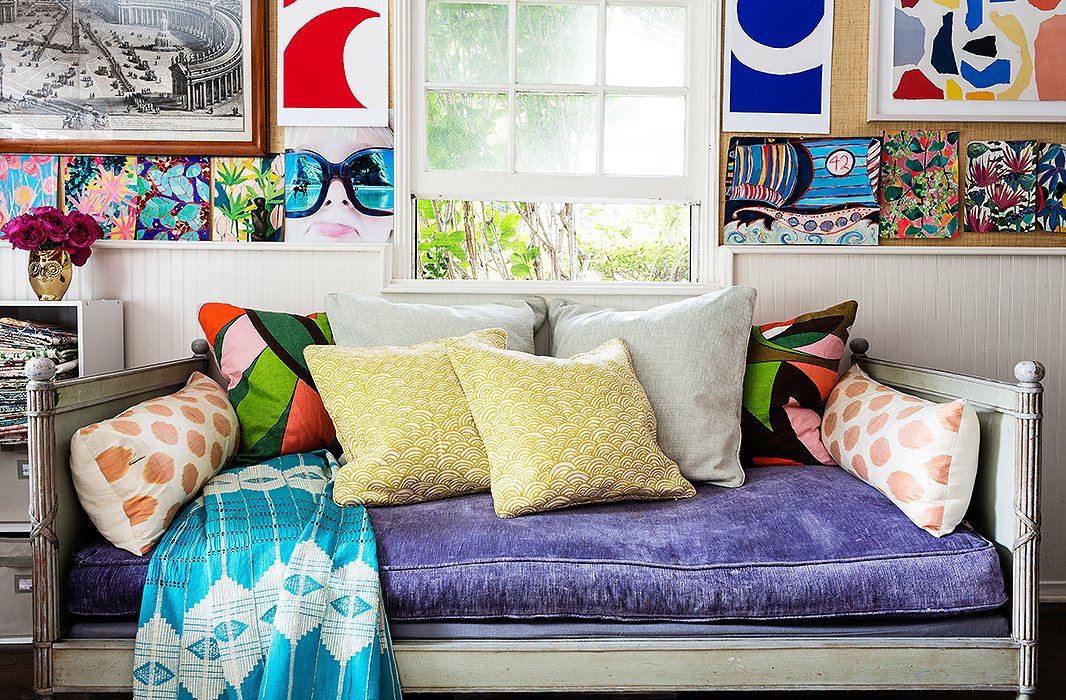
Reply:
x=859, y=346
x=40, y=369
x=200, y=347
x=1029, y=372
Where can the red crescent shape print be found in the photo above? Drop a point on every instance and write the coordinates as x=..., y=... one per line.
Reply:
x=314, y=60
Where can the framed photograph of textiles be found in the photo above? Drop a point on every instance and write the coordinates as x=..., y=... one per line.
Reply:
x=174, y=77
x=967, y=60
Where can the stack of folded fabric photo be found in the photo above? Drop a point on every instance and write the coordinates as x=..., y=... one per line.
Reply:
x=21, y=341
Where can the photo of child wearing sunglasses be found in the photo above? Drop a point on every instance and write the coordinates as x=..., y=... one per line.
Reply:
x=338, y=185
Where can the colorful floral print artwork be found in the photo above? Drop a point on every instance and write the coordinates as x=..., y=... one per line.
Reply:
x=174, y=197
x=105, y=188
x=249, y=199
x=1051, y=181
x=1001, y=186
x=26, y=182
x=920, y=184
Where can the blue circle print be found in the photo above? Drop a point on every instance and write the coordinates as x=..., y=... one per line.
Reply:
x=779, y=24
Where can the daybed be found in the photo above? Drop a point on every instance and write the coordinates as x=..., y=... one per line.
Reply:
x=587, y=599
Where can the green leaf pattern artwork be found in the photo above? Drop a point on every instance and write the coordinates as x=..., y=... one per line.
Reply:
x=1001, y=186
x=920, y=184
x=249, y=199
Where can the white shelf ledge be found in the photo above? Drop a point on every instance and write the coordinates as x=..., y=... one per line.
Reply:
x=756, y=249
x=245, y=247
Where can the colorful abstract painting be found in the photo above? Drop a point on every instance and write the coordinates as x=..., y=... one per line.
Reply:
x=249, y=199
x=806, y=191
x=1051, y=188
x=920, y=184
x=105, y=188
x=333, y=65
x=979, y=50
x=778, y=58
x=1001, y=186
x=174, y=198
x=26, y=182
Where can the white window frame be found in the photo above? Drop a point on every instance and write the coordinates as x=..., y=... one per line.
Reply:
x=699, y=186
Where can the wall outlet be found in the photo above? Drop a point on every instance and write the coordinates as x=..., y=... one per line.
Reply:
x=23, y=583
x=23, y=468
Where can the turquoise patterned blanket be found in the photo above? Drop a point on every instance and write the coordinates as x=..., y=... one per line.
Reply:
x=264, y=588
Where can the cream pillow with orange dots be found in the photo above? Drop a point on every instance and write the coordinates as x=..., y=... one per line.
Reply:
x=922, y=455
x=134, y=472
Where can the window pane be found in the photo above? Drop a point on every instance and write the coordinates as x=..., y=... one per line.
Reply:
x=557, y=44
x=467, y=42
x=646, y=46
x=553, y=241
x=556, y=134
x=644, y=135
x=466, y=131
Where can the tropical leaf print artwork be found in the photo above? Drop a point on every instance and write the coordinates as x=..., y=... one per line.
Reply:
x=920, y=184
x=105, y=188
x=1001, y=186
x=26, y=182
x=1051, y=192
x=174, y=197
x=249, y=199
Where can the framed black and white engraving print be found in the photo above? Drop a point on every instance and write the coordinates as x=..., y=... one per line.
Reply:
x=132, y=76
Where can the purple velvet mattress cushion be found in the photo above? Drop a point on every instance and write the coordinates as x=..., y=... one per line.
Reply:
x=106, y=581
x=793, y=542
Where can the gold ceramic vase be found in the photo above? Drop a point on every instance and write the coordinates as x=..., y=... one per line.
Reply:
x=50, y=272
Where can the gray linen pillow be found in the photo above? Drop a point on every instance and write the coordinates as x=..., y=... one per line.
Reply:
x=363, y=321
x=690, y=358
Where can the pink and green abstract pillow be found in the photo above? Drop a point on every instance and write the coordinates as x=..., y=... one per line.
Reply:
x=792, y=368
x=261, y=355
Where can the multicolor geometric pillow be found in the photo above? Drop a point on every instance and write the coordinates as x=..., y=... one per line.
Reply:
x=922, y=455
x=261, y=355
x=792, y=367
x=132, y=473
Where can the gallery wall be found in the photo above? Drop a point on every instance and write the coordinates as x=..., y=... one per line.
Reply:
x=935, y=306
x=851, y=31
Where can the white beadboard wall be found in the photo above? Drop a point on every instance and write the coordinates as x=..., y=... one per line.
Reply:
x=977, y=314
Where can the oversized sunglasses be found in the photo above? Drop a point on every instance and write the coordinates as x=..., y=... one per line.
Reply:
x=367, y=176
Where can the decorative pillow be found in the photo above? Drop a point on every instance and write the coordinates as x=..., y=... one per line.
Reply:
x=403, y=421
x=261, y=355
x=132, y=473
x=922, y=455
x=363, y=321
x=689, y=356
x=564, y=432
x=792, y=367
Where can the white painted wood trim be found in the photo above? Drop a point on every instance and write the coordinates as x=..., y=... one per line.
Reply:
x=246, y=247
x=533, y=287
x=1053, y=591
x=889, y=250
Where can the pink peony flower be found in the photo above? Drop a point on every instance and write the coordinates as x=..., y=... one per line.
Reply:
x=46, y=228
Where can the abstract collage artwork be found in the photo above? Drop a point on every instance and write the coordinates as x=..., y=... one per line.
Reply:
x=249, y=199
x=803, y=191
x=1051, y=188
x=975, y=58
x=26, y=182
x=174, y=198
x=105, y=188
x=777, y=67
x=920, y=184
x=1001, y=186
x=333, y=65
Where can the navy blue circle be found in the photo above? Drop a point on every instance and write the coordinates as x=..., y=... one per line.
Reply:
x=779, y=24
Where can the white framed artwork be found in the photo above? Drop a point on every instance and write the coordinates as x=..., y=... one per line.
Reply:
x=967, y=60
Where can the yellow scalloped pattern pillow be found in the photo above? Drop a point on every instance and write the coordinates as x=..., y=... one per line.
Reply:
x=565, y=432
x=403, y=421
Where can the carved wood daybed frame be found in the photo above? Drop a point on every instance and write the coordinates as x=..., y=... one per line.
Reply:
x=1005, y=509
